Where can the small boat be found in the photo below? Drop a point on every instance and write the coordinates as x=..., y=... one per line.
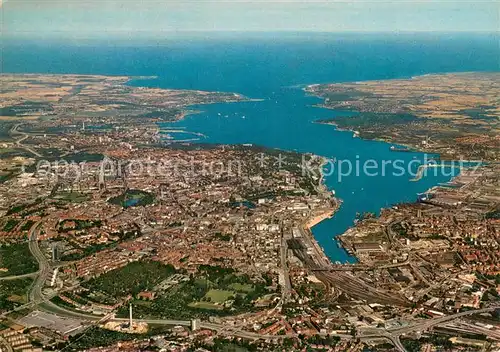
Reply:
x=399, y=149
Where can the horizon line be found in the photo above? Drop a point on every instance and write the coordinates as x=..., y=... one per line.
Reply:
x=157, y=35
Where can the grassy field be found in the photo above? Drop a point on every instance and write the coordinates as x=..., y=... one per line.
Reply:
x=242, y=287
x=219, y=296
x=206, y=305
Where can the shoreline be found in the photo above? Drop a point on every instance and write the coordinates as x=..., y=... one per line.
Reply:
x=411, y=148
x=188, y=112
x=313, y=220
x=309, y=224
x=319, y=218
x=185, y=111
x=307, y=231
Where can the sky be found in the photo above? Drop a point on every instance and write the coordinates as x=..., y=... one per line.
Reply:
x=112, y=18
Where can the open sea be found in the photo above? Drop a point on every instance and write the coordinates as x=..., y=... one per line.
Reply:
x=274, y=68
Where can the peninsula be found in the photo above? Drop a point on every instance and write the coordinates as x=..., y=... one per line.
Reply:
x=456, y=115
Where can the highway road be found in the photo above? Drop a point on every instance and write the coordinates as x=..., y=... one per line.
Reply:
x=394, y=334
x=426, y=324
x=469, y=328
x=36, y=295
x=43, y=264
x=17, y=277
x=222, y=329
x=19, y=141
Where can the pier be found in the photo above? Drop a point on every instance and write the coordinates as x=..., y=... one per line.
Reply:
x=422, y=169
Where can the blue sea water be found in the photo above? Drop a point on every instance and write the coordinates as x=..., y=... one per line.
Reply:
x=274, y=68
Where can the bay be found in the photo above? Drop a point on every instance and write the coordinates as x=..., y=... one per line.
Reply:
x=273, y=68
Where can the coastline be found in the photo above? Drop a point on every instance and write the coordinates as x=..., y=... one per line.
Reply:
x=307, y=226
x=315, y=219
x=397, y=112
x=306, y=229
x=319, y=218
x=410, y=147
x=185, y=112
